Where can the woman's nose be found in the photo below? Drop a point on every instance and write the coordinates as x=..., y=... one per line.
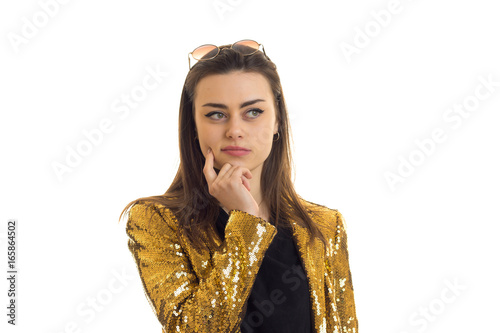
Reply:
x=235, y=129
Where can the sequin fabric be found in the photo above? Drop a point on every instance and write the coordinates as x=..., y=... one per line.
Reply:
x=192, y=291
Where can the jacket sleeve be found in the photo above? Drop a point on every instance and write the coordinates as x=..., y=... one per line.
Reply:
x=343, y=285
x=181, y=301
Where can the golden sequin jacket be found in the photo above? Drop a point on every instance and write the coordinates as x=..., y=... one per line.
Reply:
x=207, y=292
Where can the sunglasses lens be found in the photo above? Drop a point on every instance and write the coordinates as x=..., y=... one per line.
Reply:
x=246, y=46
x=205, y=52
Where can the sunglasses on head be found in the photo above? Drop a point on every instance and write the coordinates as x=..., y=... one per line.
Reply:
x=210, y=51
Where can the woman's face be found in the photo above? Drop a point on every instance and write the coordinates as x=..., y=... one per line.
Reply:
x=235, y=109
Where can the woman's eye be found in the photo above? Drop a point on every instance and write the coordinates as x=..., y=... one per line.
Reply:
x=254, y=113
x=218, y=115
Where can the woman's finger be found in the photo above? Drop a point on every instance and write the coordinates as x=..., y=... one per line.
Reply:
x=242, y=175
x=208, y=169
x=223, y=172
x=245, y=182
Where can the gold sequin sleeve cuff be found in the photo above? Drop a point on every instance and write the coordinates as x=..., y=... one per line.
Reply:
x=182, y=301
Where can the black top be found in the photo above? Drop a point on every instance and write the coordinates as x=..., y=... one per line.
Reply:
x=279, y=300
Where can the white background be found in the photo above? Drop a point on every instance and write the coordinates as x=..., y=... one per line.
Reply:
x=353, y=117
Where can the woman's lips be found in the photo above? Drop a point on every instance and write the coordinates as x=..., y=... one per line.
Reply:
x=236, y=152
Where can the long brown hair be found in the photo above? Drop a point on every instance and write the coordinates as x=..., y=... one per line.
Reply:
x=188, y=197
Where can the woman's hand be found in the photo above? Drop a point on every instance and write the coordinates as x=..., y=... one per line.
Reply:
x=230, y=186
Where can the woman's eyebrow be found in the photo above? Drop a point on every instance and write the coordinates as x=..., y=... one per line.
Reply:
x=223, y=106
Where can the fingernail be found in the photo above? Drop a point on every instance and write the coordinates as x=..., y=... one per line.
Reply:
x=209, y=150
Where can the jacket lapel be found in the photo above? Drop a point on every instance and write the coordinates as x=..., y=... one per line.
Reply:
x=312, y=257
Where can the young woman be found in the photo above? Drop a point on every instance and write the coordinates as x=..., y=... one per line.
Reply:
x=230, y=246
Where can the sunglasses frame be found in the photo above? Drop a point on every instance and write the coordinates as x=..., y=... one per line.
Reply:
x=218, y=51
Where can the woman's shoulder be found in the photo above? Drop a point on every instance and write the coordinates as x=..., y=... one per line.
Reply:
x=322, y=214
x=151, y=213
x=318, y=208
